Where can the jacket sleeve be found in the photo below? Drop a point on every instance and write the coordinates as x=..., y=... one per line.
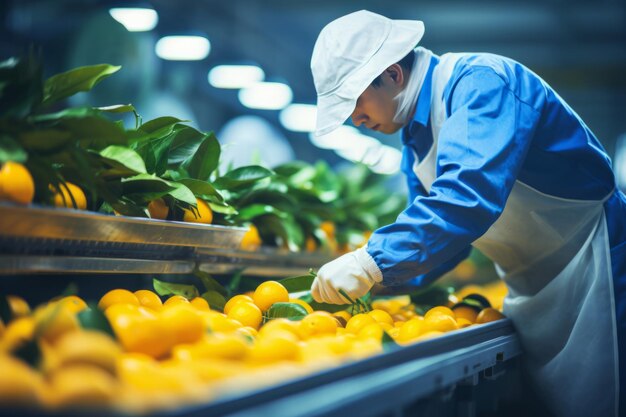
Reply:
x=481, y=148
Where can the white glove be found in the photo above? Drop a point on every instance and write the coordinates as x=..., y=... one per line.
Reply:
x=355, y=273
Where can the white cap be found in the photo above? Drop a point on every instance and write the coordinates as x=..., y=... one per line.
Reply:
x=350, y=52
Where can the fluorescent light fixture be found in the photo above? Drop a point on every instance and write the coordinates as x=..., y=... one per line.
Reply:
x=266, y=96
x=135, y=19
x=299, y=117
x=183, y=48
x=235, y=76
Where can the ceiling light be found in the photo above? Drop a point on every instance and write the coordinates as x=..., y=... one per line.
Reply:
x=135, y=19
x=299, y=117
x=235, y=76
x=266, y=96
x=183, y=48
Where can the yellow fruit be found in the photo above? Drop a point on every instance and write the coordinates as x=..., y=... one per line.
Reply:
x=17, y=332
x=217, y=345
x=81, y=385
x=358, y=322
x=462, y=311
x=158, y=209
x=310, y=244
x=440, y=322
x=200, y=303
x=54, y=320
x=203, y=215
x=318, y=323
x=411, y=329
x=248, y=314
x=276, y=348
x=176, y=299
x=343, y=314
x=140, y=331
x=19, y=383
x=87, y=347
x=328, y=227
x=73, y=303
x=251, y=239
x=463, y=323
x=429, y=335
x=373, y=330
x=268, y=293
x=234, y=300
x=381, y=316
x=149, y=299
x=182, y=322
x=487, y=315
x=218, y=322
x=117, y=296
x=303, y=303
x=280, y=324
x=16, y=183
x=440, y=309
x=63, y=198
x=19, y=307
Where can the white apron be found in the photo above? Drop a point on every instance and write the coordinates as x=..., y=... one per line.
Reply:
x=554, y=256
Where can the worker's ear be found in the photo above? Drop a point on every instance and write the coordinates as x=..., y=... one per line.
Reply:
x=396, y=74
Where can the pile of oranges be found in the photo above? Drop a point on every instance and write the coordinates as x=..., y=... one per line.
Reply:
x=180, y=351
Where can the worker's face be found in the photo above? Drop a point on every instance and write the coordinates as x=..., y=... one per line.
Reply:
x=376, y=107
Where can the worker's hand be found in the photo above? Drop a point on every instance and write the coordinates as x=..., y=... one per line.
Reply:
x=355, y=273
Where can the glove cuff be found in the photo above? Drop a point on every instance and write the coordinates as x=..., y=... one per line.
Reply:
x=368, y=264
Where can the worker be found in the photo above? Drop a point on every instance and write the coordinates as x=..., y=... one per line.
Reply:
x=494, y=159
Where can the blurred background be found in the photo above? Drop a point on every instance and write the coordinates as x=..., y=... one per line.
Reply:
x=579, y=47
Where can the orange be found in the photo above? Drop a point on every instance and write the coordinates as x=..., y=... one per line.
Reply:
x=310, y=244
x=247, y=314
x=158, y=209
x=440, y=309
x=411, y=329
x=251, y=239
x=439, y=322
x=18, y=332
x=274, y=349
x=216, y=345
x=488, y=314
x=176, y=299
x=372, y=330
x=381, y=316
x=343, y=314
x=464, y=311
x=218, y=322
x=53, y=320
x=149, y=299
x=303, y=303
x=463, y=323
x=182, y=322
x=328, y=227
x=140, y=331
x=359, y=321
x=429, y=335
x=234, y=300
x=117, y=296
x=16, y=183
x=74, y=303
x=19, y=307
x=268, y=293
x=63, y=198
x=275, y=325
x=318, y=323
x=203, y=215
x=200, y=303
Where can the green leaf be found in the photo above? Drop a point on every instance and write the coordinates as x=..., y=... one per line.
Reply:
x=94, y=132
x=233, y=284
x=21, y=86
x=209, y=282
x=285, y=227
x=76, y=112
x=222, y=208
x=388, y=343
x=201, y=189
x=118, y=108
x=185, y=144
x=93, y=318
x=168, y=288
x=242, y=176
x=182, y=193
x=205, y=160
x=299, y=283
x=45, y=140
x=126, y=157
x=10, y=150
x=215, y=299
x=249, y=213
x=144, y=187
x=291, y=311
x=76, y=80
x=165, y=124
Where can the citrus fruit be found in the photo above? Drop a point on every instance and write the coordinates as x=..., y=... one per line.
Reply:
x=303, y=303
x=439, y=321
x=246, y=313
x=158, y=209
x=176, y=299
x=358, y=321
x=19, y=307
x=200, y=303
x=203, y=214
x=440, y=309
x=16, y=183
x=466, y=311
x=64, y=193
x=411, y=329
x=488, y=314
x=251, y=239
x=381, y=316
x=318, y=323
x=117, y=296
x=234, y=300
x=268, y=293
x=74, y=303
x=149, y=299
x=182, y=322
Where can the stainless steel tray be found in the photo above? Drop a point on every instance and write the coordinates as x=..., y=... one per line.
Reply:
x=265, y=262
x=35, y=222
